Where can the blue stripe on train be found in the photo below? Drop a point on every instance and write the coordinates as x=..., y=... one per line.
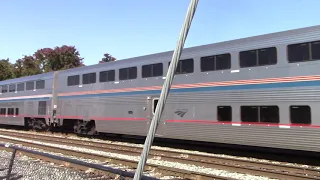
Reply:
x=24, y=99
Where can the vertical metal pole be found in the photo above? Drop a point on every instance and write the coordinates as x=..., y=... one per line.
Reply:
x=165, y=88
x=11, y=163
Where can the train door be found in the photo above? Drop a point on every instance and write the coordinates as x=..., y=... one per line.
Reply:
x=152, y=104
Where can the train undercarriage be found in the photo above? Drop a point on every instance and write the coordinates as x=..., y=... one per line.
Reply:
x=69, y=125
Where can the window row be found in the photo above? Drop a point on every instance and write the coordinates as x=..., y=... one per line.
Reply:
x=268, y=114
x=30, y=85
x=9, y=111
x=42, y=109
x=257, y=57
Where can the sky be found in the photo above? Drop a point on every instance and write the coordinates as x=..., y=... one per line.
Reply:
x=127, y=28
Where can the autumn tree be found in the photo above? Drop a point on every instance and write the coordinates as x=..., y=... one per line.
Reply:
x=6, y=70
x=59, y=58
x=107, y=58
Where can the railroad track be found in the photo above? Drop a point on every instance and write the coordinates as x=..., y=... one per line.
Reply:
x=265, y=169
x=129, y=164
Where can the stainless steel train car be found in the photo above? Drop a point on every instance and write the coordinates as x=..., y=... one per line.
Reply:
x=259, y=91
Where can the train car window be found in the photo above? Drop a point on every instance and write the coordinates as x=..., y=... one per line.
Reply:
x=224, y=113
x=248, y=58
x=133, y=73
x=152, y=70
x=269, y=114
x=216, y=62
x=10, y=111
x=298, y=52
x=128, y=73
x=223, y=61
x=40, y=84
x=4, y=88
x=12, y=87
x=42, y=108
x=185, y=66
x=89, y=78
x=154, y=105
x=267, y=56
x=146, y=71
x=258, y=57
x=17, y=111
x=2, y=111
x=207, y=63
x=20, y=87
x=73, y=80
x=30, y=85
x=107, y=76
x=249, y=113
x=300, y=114
x=316, y=50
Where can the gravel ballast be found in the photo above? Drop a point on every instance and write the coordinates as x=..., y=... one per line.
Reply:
x=33, y=169
x=188, y=167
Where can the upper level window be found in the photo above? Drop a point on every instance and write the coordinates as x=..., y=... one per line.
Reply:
x=106, y=76
x=30, y=85
x=12, y=88
x=184, y=66
x=301, y=52
x=89, y=78
x=4, y=88
x=128, y=73
x=20, y=87
x=40, y=84
x=152, y=70
x=258, y=57
x=216, y=62
x=73, y=80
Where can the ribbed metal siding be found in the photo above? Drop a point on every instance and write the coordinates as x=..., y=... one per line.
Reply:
x=294, y=138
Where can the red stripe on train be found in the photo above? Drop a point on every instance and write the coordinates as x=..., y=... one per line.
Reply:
x=238, y=123
x=81, y=117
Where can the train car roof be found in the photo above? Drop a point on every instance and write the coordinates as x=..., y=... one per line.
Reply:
x=276, y=37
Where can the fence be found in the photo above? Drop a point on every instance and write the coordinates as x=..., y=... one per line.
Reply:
x=12, y=167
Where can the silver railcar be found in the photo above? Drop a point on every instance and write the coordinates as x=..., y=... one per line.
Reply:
x=257, y=91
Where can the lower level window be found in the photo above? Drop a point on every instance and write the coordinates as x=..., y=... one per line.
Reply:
x=154, y=105
x=269, y=114
x=10, y=111
x=224, y=113
x=249, y=113
x=2, y=111
x=300, y=114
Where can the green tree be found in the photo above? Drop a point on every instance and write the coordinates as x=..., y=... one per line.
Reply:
x=30, y=66
x=18, y=68
x=6, y=70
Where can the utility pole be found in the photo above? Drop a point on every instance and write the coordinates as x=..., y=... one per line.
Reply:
x=165, y=88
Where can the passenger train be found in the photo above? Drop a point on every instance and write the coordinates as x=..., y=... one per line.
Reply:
x=261, y=91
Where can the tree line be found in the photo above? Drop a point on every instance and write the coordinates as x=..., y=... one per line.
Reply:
x=45, y=60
